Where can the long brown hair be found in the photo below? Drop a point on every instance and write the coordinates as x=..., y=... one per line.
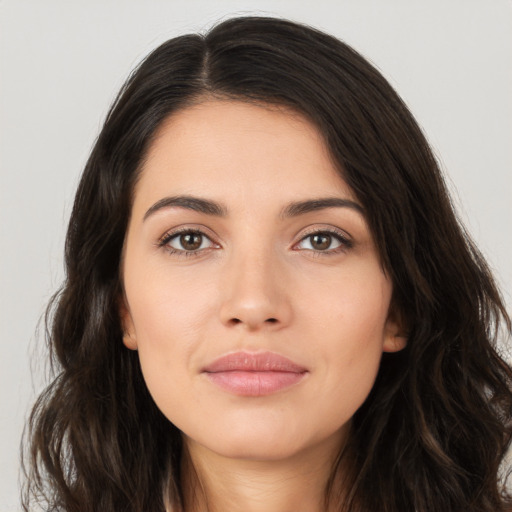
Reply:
x=433, y=432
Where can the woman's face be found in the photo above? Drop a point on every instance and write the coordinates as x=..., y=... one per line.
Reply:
x=254, y=293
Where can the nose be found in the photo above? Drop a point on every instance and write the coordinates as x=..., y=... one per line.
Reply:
x=255, y=295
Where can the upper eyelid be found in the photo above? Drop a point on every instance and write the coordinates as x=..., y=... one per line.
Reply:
x=171, y=233
x=165, y=242
x=346, y=241
x=327, y=229
x=204, y=231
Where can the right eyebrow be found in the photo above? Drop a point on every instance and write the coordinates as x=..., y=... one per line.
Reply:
x=189, y=202
x=301, y=207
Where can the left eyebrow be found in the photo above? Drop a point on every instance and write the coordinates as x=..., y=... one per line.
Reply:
x=188, y=202
x=302, y=207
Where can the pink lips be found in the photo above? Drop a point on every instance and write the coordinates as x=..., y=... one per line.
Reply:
x=247, y=374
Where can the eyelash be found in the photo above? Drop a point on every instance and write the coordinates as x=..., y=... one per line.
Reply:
x=168, y=237
x=345, y=243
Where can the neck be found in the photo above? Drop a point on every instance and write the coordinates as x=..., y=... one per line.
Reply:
x=214, y=483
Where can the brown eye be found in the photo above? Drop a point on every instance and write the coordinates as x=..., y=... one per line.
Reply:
x=188, y=241
x=324, y=241
x=191, y=241
x=321, y=241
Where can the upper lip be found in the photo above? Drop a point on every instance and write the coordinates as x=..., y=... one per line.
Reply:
x=253, y=362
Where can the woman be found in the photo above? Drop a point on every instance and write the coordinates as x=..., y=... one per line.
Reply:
x=269, y=302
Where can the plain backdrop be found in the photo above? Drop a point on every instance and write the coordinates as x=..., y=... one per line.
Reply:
x=62, y=62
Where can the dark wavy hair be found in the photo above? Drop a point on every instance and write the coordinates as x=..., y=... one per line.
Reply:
x=434, y=431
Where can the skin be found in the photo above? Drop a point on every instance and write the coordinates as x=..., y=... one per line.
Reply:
x=257, y=282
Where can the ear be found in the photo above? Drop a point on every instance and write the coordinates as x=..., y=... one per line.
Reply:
x=129, y=338
x=395, y=332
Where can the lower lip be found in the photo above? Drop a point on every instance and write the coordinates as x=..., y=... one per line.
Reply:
x=254, y=383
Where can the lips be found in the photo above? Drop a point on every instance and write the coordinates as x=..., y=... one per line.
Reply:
x=247, y=374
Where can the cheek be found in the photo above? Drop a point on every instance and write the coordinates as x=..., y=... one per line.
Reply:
x=353, y=303
x=169, y=306
x=169, y=315
x=348, y=321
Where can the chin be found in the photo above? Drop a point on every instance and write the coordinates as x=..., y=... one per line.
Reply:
x=256, y=449
x=262, y=440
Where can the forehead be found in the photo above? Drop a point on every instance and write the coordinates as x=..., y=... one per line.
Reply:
x=237, y=151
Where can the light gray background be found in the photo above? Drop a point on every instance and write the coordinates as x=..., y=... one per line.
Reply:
x=63, y=61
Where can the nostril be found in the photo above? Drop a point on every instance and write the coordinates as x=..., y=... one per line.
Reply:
x=252, y=323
